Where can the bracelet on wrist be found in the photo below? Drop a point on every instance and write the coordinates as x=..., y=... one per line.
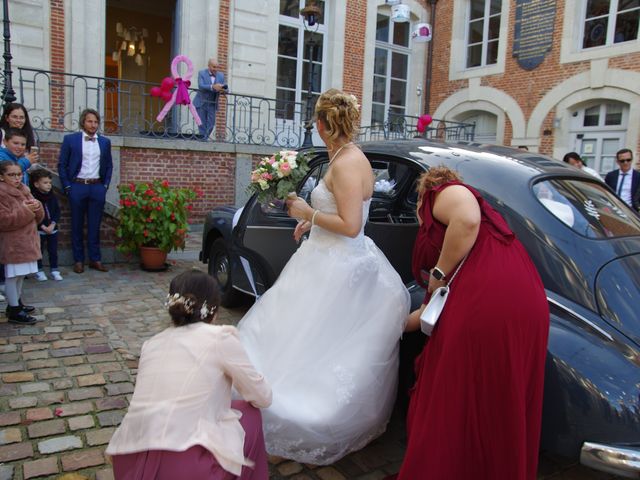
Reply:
x=313, y=217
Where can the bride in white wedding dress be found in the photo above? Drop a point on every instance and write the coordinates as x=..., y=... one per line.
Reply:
x=326, y=334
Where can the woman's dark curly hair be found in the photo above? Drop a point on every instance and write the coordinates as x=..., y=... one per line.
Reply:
x=198, y=287
x=436, y=176
x=27, y=129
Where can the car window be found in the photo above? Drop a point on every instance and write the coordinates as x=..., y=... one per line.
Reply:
x=312, y=180
x=618, y=290
x=388, y=177
x=304, y=191
x=588, y=208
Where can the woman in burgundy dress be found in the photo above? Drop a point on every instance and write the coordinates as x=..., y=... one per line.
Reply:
x=475, y=410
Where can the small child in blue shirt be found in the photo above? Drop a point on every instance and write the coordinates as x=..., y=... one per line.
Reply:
x=15, y=146
x=41, y=189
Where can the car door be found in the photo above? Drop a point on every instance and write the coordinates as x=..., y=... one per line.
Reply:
x=268, y=235
x=392, y=222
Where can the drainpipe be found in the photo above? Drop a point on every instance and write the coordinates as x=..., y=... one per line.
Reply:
x=427, y=82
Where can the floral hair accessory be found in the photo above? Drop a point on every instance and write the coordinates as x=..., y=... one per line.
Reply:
x=205, y=311
x=176, y=299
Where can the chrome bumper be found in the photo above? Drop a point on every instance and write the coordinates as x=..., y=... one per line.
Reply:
x=624, y=461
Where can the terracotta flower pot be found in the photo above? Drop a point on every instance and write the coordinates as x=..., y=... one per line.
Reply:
x=152, y=258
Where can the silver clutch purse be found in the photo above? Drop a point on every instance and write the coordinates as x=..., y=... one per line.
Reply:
x=431, y=313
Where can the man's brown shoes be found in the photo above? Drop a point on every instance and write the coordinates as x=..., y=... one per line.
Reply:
x=98, y=266
x=78, y=267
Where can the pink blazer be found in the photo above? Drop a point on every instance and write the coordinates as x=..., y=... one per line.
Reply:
x=183, y=395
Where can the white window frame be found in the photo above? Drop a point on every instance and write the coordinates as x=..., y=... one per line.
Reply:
x=572, y=37
x=459, y=32
x=485, y=34
x=611, y=24
x=391, y=48
x=301, y=83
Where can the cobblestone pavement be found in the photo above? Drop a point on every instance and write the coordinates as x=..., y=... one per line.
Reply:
x=66, y=381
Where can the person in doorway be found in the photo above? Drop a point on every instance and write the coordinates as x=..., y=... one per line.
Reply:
x=85, y=168
x=210, y=85
x=625, y=181
x=575, y=160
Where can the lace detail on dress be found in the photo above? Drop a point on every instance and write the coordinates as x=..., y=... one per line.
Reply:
x=345, y=384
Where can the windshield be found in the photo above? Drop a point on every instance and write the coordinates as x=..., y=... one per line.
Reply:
x=589, y=208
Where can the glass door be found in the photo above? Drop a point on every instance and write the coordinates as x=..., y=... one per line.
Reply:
x=301, y=50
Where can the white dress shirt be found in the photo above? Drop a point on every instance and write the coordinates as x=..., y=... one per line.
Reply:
x=90, y=157
x=183, y=395
x=625, y=193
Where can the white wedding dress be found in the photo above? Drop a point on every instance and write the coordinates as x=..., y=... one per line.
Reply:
x=326, y=338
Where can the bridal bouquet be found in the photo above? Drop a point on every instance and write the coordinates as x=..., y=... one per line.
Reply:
x=276, y=176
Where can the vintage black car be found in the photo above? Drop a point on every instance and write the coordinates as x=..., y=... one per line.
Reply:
x=583, y=239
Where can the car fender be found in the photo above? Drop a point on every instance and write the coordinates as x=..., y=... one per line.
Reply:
x=592, y=382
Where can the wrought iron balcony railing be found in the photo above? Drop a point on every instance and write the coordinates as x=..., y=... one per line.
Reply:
x=55, y=99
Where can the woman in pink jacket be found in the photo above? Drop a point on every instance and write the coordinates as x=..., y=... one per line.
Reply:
x=181, y=422
x=20, y=214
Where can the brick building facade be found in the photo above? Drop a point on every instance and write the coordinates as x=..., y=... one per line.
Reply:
x=583, y=96
x=261, y=46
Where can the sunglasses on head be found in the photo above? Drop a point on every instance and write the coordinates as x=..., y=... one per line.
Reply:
x=625, y=160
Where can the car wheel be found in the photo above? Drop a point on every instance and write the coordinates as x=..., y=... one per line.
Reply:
x=220, y=269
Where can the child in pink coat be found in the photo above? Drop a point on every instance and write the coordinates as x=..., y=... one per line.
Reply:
x=20, y=214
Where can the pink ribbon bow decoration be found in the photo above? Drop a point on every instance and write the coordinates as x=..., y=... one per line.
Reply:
x=181, y=93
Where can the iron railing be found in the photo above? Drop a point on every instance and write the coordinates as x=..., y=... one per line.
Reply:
x=405, y=126
x=55, y=99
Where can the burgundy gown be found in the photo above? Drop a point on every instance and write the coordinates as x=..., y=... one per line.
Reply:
x=475, y=410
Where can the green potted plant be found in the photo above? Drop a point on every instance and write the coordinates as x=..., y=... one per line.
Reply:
x=153, y=220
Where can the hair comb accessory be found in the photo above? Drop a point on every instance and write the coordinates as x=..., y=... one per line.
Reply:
x=205, y=311
x=176, y=299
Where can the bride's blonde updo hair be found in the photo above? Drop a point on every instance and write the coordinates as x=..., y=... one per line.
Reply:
x=340, y=114
x=436, y=176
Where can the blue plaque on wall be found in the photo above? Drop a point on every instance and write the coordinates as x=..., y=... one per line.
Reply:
x=533, y=33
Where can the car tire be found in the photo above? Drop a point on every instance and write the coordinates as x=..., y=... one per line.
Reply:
x=220, y=269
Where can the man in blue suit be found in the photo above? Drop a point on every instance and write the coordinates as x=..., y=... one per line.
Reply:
x=210, y=85
x=85, y=168
x=625, y=181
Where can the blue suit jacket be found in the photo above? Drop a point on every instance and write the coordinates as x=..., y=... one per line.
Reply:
x=205, y=95
x=612, y=180
x=70, y=159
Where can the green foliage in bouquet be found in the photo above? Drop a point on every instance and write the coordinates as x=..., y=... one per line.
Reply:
x=276, y=176
x=154, y=214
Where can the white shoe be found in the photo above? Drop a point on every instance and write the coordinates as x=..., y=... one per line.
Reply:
x=56, y=275
x=41, y=277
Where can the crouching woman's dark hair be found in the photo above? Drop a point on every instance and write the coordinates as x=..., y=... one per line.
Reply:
x=194, y=296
